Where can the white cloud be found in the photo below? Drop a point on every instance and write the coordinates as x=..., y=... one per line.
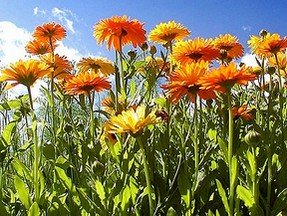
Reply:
x=12, y=42
x=249, y=60
x=246, y=28
x=63, y=16
x=71, y=53
x=37, y=11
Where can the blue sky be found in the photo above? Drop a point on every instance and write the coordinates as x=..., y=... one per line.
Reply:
x=205, y=18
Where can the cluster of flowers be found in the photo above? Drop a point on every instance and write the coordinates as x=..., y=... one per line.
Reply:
x=191, y=63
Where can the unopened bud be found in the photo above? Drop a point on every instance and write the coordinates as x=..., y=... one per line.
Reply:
x=252, y=137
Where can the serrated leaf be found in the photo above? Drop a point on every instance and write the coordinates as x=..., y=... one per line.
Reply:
x=223, y=196
x=22, y=192
x=100, y=191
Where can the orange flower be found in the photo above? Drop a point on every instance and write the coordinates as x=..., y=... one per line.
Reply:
x=194, y=50
x=118, y=31
x=101, y=65
x=60, y=66
x=224, y=77
x=229, y=46
x=184, y=81
x=24, y=72
x=268, y=45
x=49, y=31
x=38, y=48
x=168, y=32
x=85, y=82
x=282, y=61
x=242, y=112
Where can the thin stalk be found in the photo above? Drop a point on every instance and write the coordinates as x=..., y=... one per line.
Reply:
x=36, y=149
x=92, y=125
x=147, y=176
x=230, y=151
x=255, y=182
x=123, y=84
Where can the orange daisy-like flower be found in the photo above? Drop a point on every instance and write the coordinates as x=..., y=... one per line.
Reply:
x=168, y=32
x=38, y=48
x=49, y=31
x=224, y=77
x=118, y=31
x=242, y=112
x=184, y=81
x=229, y=46
x=85, y=82
x=189, y=51
x=268, y=45
x=24, y=72
x=60, y=66
x=96, y=65
x=131, y=121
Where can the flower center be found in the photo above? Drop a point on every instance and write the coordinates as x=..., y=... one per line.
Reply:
x=195, y=56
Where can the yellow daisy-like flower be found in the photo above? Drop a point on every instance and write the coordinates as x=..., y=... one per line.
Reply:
x=229, y=46
x=168, y=32
x=38, y=48
x=282, y=61
x=189, y=51
x=268, y=45
x=96, y=65
x=24, y=72
x=131, y=121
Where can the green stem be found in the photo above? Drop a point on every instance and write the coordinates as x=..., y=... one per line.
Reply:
x=36, y=149
x=230, y=151
x=269, y=181
x=255, y=183
x=147, y=176
x=92, y=125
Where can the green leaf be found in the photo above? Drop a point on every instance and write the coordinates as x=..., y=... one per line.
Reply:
x=21, y=169
x=245, y=195
x=23, y=192
x=223, y=196
x=125, y=198
x=3, y=210
x=184, y=186
x=8, y=132
x=34, y=210
x=171, y=212
x=100, y=191
x=234, y=171
x=251, y=160
x=280, y=202
x=223, y=147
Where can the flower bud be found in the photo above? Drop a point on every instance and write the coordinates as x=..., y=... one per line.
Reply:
x=252, y=137
x=152, y=50
x=263, y=33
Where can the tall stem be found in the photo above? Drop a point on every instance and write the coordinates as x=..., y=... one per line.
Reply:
x=230, y=151
x=147, y=176
x=92, y=125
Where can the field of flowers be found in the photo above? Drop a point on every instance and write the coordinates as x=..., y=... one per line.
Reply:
x=173, y=125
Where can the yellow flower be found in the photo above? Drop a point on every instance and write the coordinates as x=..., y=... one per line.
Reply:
x=282, y=61
x=24, y=72
x=132, y=121
x=96, y=65
x=168, y=32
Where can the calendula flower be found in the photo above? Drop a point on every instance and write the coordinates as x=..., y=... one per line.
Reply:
x=131, y=121
x=189, y=51
x=36, y=47
x=225, y=77
x=184, y=81
x=24, y=72
x=269, y=45
x=282, y=61
x=229, y=46
x=154, y=64
x=96, y=65
x=109, y=104
x=60, y=65
x=118, y=31
x=168, y=32
x=242, y=112
x=86, y=82
x=49, y=32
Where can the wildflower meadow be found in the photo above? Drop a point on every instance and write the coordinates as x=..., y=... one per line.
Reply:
x=171, y=125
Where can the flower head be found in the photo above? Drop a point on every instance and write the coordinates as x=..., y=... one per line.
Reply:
x=49, y=31
x=168, y=32
x=194, y=50
x=242, y=112
x=282, y=61
x=184, y=81
x=85, y=82
x=229, y=46
x=224, y=77
x=96, y=65
x=60, y=65
x=36, y=47
x=24, y=72
x=268, y=45
x=118, y=31
x=131, y=121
